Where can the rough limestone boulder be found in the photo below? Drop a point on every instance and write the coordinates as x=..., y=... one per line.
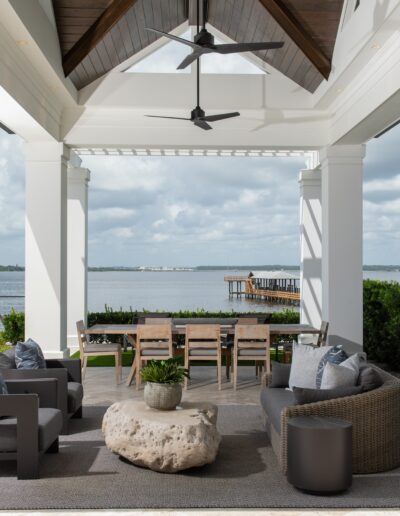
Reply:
x=166, y=441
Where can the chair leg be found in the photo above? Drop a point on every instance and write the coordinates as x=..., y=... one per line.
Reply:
x=228, y=361
x=120, y=366
x=131, y=372
x=219, y=371
x=235, y=369
x=138, y=378
x=28, y=467
x=78, y=414
x=185, y=386
x=84, y=365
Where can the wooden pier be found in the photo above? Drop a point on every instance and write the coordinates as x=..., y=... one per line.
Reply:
x=274, y=288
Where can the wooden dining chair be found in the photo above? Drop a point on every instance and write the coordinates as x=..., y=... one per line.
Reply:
x=252, y=342
x=157, y=320
x=203, y=342
x=88, y=349
x=227, y=350
x=323, y=334
x=153, y=342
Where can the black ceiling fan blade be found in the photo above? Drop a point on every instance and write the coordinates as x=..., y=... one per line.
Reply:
x=170, y=117
x=232, y=48
x=189, y=59
x=222, y=116
x=203, y=124
x=175, y=38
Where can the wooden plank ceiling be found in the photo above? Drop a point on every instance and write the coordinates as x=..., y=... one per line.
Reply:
x=97, y=35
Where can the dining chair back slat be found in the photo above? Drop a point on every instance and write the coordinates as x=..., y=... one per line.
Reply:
x=203, y=342
x=323, y=334
x=252, y=342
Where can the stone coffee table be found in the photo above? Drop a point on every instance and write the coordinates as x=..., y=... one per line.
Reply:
x=161, y=440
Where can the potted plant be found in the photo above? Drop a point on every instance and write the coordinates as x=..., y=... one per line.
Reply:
x=164, y=378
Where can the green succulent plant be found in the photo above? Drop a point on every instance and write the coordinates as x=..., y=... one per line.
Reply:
x=164, y=371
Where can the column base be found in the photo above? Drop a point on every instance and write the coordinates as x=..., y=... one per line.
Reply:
x=57, y=354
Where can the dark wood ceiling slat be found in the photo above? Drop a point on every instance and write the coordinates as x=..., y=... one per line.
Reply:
x=88, y=41
x=244, y=21
x=149, y=19
x=141, y=24
x=166, y=20
x=103, y=55
x=97, y=63
x=111, y=50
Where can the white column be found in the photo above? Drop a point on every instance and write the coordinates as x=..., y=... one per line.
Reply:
x=78, y=179
x=310, y=247
x=45, y=246
x=342, y=242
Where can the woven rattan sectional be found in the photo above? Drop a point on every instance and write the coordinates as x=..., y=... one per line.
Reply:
x=375, y=416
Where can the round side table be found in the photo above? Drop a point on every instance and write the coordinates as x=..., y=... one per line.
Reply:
x=319, y=454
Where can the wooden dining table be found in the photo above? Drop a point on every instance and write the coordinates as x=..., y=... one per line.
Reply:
x=130, y=331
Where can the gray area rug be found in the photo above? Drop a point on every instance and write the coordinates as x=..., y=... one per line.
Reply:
x=85, y=475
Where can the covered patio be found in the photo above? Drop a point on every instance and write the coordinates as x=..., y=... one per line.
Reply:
x=64, y=88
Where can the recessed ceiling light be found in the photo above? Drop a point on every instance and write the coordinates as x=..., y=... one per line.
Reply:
x=22, y=42
x=376, y=46
x=339, y=90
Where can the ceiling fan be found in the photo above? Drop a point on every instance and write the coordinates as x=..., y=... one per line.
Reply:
x=197, y=115
x=204, y=42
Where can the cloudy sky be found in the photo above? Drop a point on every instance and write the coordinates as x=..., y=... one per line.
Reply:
x=196, y=211
x=202, y=210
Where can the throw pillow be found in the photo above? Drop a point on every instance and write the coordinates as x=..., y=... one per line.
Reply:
x=369, y=378
x=353, y=362
x=305, y=361
x=5, y=361
x=303, y=396
x=336, y=355
x=280, y=374
x=338, y=376
x=28, y=355
x=3, y=386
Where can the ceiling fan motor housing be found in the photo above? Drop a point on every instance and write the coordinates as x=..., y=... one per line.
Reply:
x=204, y=38
x=197, y=113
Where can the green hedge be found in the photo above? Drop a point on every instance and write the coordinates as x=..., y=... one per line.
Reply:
x=110, y=316
x=14, y=327
x=382, y=322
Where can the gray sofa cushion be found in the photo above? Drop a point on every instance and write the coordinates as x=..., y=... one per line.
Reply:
x=28, y=355
x=303, y=396
x=369, y=378
x=75, y=396
x=50, y=425
x=280, y=374
x=273, y=401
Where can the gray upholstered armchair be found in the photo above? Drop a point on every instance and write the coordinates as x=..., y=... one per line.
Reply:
x=69, y=392
x=30, y=423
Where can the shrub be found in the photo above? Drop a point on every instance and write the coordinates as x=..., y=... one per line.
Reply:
x=164, y=371
x=382, y=322
x=14, y=327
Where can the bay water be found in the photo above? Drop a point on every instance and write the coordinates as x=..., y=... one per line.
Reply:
x=153, y=290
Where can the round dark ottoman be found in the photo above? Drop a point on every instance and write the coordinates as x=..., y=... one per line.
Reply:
x=319, y=454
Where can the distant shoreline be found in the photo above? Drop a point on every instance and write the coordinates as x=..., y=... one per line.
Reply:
x=199, y=268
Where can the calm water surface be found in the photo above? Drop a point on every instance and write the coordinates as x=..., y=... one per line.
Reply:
x=164, y=291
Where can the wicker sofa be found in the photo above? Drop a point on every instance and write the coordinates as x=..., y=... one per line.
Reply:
x=375, y=416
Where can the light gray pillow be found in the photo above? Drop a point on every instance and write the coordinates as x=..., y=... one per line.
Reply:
x=305, y=361
x=335, y=376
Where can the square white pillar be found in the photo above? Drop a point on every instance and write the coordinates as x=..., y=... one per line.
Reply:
x=78, y=179
x=45, y=247
x=310, y=247
x=342, y=243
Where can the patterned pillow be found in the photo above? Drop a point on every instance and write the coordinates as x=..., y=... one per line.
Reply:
x=3, y=386
x=335, y=355
x=28, y=355
x=305, y=362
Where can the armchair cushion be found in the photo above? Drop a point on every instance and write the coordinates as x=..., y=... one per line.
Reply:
x=28, y=355
x=273, y=402
x=75, y=396
x=303, y=396
x=5, y=361
x=50, y=424
x=280, y=374
x=10, y=353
